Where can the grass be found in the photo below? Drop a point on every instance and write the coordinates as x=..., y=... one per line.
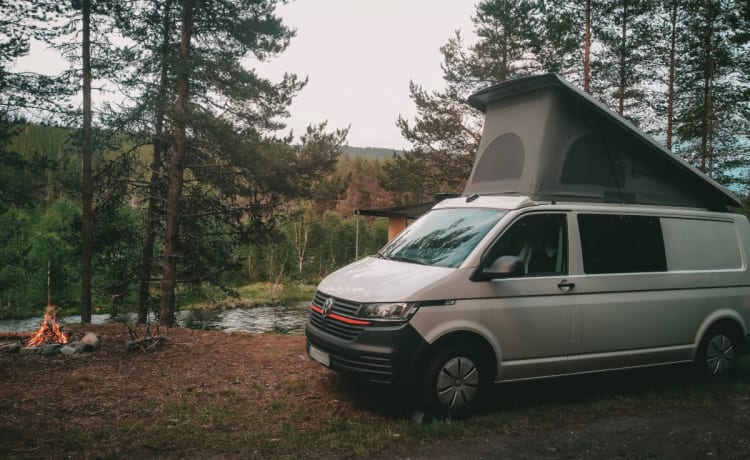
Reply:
x=526, y=407
x=522, y=409
x=205, y=395
x=249, y=295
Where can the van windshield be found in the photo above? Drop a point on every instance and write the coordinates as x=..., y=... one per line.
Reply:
x=443, y=237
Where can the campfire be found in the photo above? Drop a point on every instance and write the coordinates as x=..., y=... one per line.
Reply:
x=49, y=331
x=48, y=340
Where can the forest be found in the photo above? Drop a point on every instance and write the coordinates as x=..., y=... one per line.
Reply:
x=191, y=180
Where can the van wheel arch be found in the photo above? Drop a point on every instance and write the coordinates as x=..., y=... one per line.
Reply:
x=464, y=344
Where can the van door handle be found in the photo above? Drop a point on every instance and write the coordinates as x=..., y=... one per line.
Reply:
x=565, y=286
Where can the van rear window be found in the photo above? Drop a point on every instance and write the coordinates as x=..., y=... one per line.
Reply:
x=621, y=243
x=693, y=244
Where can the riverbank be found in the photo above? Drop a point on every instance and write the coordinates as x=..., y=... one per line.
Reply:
x=248, y=296
x=217, y=394
x=262, y=294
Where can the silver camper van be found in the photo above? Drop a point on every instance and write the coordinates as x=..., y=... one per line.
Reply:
x=579, y=245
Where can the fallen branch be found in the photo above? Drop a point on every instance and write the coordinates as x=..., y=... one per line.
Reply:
x=14, y=335
x=145, y=344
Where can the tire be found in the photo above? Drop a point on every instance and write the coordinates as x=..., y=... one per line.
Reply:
x=455, y=381
x=717, y=354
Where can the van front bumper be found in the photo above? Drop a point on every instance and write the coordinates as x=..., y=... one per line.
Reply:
x=380, y=355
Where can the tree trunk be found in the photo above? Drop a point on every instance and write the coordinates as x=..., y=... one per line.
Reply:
x=87, y=218
x=623, y=50
x=708, y=84
x=176, y=169
x=587, y=49
x=672, y=63
x=160, y=147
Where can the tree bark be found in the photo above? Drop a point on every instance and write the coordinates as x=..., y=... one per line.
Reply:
x=176, y=169
x=672, y=63
x=587, y=49
x=87, y=218
x=160, y=146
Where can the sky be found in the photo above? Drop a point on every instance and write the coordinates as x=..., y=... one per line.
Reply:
x=359, y=56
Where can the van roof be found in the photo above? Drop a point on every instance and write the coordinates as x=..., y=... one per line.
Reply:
x=512, y=203
x=487, y=201
x=546, y=139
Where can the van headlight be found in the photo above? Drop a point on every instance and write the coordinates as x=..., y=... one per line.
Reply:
x=397, y=311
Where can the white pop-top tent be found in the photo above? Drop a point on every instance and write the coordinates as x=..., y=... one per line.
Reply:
x=546, y=139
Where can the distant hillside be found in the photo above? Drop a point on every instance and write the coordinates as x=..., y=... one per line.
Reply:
x=369, y=152
x=36, y=139
x=39, y=138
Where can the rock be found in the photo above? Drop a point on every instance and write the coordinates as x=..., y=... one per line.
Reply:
x=78, y=346
x=91, y=342
x=68, y=350
x=10, y=347
x=51, y=349
x=30, y=351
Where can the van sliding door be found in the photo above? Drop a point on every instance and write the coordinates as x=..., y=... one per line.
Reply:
x=629, y=316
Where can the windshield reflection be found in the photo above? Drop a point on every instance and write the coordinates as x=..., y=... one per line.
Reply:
x=443, y=237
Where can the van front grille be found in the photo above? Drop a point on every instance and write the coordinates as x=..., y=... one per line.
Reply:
x=334, y=327
x=375, y=368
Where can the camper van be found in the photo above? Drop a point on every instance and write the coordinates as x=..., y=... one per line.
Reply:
x=579, y=245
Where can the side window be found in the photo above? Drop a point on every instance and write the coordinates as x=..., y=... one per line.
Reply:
x=621, y=244
x=693, y=244
x=540, y=241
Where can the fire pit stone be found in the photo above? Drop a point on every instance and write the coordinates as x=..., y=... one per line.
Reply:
x=51, y=349
x=91, y=341
x=30, y=351
x=13, y=347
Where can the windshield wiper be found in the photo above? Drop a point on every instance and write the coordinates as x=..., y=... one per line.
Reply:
x=407, y=260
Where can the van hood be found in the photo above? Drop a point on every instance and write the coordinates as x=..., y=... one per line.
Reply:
x=380, y=280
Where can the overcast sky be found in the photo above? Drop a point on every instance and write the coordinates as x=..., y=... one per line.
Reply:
x=359, y=56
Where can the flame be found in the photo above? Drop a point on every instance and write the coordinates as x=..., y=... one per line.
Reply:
x=48, y=331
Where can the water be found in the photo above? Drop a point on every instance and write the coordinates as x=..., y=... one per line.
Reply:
x=288, y=319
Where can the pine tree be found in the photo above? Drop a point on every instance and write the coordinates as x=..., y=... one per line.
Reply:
x=555, y=38
x=221, y=122
x=152, y=29
x=90, y=60
x=624, y=31
x=713, y=76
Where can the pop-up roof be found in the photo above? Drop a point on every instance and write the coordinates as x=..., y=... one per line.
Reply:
x=546, y=139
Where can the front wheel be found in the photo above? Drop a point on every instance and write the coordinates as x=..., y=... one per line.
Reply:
x=717, y=354
x=455, y=381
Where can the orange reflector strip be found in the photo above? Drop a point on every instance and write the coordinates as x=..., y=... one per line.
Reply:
x=343, y=319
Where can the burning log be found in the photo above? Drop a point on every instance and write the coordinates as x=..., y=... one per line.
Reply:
x=49, y=331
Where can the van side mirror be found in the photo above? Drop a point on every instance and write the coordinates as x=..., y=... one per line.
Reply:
x=504, y=267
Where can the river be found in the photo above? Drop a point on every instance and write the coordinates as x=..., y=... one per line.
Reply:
x=287, y=319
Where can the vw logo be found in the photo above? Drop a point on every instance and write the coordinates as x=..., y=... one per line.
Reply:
x=327, y=306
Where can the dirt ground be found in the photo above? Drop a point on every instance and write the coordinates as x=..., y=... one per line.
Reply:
x=720, y=431
x=214, y=394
